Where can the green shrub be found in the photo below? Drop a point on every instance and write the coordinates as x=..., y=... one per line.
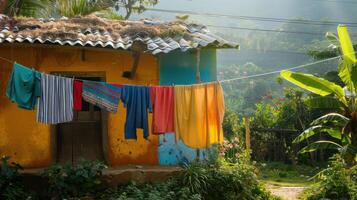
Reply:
x=235, y=181
x=11, y=187
x=335, y=182
x=232, y=149
x=230, y=124
x=224, y=181
x=169, y=190
x=194, y=177
x=74, y=181
x=198, y=181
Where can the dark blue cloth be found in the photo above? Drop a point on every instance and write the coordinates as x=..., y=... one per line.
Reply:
x=137, y=102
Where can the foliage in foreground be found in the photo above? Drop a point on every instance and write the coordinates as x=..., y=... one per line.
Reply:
x=169, y=190
x=336, y=182
x=235, y=181
x=216, y=179
x=11, y=187
x=199, y=181
x=74, y=181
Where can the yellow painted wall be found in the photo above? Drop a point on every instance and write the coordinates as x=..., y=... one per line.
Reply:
x=29, y=143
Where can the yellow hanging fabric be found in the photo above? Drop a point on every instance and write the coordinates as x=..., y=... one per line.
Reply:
x=346, y=44
x=199, y=112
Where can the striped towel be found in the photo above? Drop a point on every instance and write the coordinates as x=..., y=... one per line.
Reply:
x=101, y=94
x=56, y=102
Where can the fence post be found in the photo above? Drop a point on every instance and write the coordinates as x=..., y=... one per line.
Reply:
x=247, y=132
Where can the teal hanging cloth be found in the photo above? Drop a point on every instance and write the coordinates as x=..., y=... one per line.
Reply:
x=24, y=86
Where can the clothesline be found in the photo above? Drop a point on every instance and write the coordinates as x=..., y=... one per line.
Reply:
x=56, y=98
x=278, y=71
x=237, y=78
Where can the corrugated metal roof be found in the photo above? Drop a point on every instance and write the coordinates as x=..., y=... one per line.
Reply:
x=157, y=37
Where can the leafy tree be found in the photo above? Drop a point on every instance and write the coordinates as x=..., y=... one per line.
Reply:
x=338, y=126
x=23, y=7
x=73, y=8
x=134, y=6
x=70, y=8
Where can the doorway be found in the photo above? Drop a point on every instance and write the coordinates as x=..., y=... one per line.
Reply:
x=84, y=137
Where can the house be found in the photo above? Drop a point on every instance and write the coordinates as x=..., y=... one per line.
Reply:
x=126, y=52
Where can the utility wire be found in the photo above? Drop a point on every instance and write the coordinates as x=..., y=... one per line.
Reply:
x=265, y=30
x=335, y=1
x=254, y=18
x=278, y=71
x=274, y=51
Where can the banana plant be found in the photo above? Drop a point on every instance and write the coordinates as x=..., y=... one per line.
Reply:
x=341, y=127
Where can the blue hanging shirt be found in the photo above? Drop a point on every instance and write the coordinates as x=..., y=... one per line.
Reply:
x=24, y=86
x=137, y=102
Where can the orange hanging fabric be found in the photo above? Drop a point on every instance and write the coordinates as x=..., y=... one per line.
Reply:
x=199, y=112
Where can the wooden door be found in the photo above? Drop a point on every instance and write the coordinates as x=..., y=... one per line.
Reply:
x=79, y=141
x=82, y=138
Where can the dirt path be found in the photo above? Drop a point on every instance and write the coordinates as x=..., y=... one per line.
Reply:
x=286, y=193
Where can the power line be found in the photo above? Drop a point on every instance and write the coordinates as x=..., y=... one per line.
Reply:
x=266, y=30
x=275, y=51
x=335, y=1
x=254, y=18
x=278, y=71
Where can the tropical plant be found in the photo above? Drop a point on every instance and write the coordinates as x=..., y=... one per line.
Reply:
x=342, y=125
x=70, y=8
x=23, y=7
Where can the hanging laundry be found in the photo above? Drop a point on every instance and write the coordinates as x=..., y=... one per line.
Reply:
x=137, y=102
x=103, y=95
x=24, y=86
x=162, y=98
x=199, y=111
x=77, y=95
x=56, y=102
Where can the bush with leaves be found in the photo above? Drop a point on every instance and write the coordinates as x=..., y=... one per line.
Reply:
x=231, y=149
x=194, y=176
x=231, y=124
x=337, y=181
x=224, y=180
x=11, y=187
x=237, y=181
x=74, y=181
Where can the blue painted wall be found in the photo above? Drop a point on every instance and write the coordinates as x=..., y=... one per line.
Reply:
x=180, y=68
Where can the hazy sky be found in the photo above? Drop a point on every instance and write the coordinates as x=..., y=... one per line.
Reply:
x=335, y=10
x=314, y=9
